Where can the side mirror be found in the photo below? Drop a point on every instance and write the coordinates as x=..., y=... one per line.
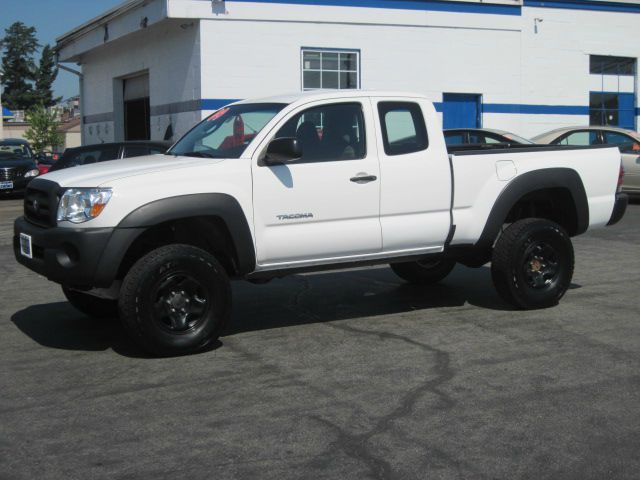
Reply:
x=283, y=150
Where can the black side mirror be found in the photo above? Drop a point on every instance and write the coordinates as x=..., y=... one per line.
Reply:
x=283, y=150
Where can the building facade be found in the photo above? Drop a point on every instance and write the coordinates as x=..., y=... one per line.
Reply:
x=153, y=68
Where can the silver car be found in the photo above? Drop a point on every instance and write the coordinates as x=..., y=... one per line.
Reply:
x=627, y=141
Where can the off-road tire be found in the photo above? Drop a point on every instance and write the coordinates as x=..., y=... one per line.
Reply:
x=90, y=305
x=147, y=295
x=424, y=272
x=532, y=263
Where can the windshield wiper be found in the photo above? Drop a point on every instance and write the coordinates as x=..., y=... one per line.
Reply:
x=200, y=154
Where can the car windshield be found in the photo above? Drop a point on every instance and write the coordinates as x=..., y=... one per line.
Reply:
x=227, y=132
x=15, y=150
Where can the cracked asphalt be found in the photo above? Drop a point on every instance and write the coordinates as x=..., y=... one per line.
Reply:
x=339, y=375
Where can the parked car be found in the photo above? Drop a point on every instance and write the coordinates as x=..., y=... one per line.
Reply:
x=102, y=152
x=627, y=141
x=45, y=160
x=157, y=238
x=465, y=136
x=17, y=165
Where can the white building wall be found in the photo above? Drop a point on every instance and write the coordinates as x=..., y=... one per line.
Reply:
x=425, y=52
x=171, y=56
x=555, y=58
x=535, y=61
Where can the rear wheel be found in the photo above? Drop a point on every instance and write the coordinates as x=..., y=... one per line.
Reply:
x=425, y=271
x=175, y=300
x=91, y=305
x=532, y=263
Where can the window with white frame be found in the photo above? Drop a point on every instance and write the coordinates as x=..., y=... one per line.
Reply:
x=338, y=69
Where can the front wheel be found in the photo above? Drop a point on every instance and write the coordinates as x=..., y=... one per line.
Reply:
x=175, y=300
x=425, y=271
x=532, y=263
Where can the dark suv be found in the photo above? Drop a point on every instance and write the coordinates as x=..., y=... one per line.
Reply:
x=103, y=152
x=17, y=165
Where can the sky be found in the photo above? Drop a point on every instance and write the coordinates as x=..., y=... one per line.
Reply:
x=53, y=18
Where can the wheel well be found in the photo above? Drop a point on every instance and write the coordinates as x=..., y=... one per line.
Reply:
x=555, y=204
x=209, y=233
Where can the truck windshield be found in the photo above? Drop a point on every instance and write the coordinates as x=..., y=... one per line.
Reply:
x=227, y=132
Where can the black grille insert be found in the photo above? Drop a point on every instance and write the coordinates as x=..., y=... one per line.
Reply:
x=11, y=173
x=41, y=202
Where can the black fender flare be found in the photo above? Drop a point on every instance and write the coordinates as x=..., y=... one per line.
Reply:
x=154, y=213
x=530, y=182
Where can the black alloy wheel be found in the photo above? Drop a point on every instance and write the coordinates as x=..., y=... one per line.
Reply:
x=175, y=300
x=532, y=263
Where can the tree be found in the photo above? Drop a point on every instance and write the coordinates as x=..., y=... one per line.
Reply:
x=43, y=129
x=45, y=75
x=19, y=45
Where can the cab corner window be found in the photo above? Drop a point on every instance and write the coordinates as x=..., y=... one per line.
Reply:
x=403, y=128
x=328, y=133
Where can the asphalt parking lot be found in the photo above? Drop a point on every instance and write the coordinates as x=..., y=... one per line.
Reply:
x=341, y=375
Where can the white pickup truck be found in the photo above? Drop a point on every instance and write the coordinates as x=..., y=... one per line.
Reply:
x=264, y=188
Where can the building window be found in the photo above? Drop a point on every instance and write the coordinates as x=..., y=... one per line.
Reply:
x=333, y=69
x=604, y=65
x=612, y=108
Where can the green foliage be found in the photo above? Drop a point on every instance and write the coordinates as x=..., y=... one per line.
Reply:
x=43, y=130
x=19, y=44
x=45, y=75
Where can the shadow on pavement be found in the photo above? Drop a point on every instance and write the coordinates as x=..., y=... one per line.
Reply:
x=59, y=325
x=294, y=300
x=326, y=297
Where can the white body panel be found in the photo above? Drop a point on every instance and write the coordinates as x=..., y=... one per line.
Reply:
x=477, y=186
x=406, y=211
x=345, y=212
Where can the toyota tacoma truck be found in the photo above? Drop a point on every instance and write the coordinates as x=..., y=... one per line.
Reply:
x=322, y=180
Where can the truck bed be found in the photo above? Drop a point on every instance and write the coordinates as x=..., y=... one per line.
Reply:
x=482, y=172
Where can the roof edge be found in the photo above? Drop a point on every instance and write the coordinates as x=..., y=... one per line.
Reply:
x=96, y=22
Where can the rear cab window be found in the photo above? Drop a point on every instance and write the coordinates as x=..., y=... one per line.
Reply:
x=403, y=128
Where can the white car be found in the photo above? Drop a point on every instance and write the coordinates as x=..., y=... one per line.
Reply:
x=627, y=141
x=320, y=180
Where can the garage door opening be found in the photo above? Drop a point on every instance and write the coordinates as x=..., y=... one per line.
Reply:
x=136, y=108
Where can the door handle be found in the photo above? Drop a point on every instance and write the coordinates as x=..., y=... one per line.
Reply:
x=364, y=178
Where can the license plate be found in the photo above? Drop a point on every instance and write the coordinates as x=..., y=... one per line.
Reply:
x=25, y=245
x=6, y=185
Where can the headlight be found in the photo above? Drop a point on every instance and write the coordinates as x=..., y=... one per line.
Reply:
x=79, y=205
x=32, y=173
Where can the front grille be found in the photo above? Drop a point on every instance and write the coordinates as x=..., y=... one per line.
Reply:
x=11, y=173
x=41, y=202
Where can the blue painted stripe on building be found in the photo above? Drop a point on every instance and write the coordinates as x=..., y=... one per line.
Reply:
x=535, y=109
x=513, y=108
x=215, y=103
x=431, y=5
x=637, y=111
x=585, y=5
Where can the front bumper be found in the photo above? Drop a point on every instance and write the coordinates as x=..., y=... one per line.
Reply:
x=19, y=185
x=78, y=257
x=619, y=208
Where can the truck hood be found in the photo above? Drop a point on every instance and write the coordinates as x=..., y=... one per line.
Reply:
x=97, y=174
